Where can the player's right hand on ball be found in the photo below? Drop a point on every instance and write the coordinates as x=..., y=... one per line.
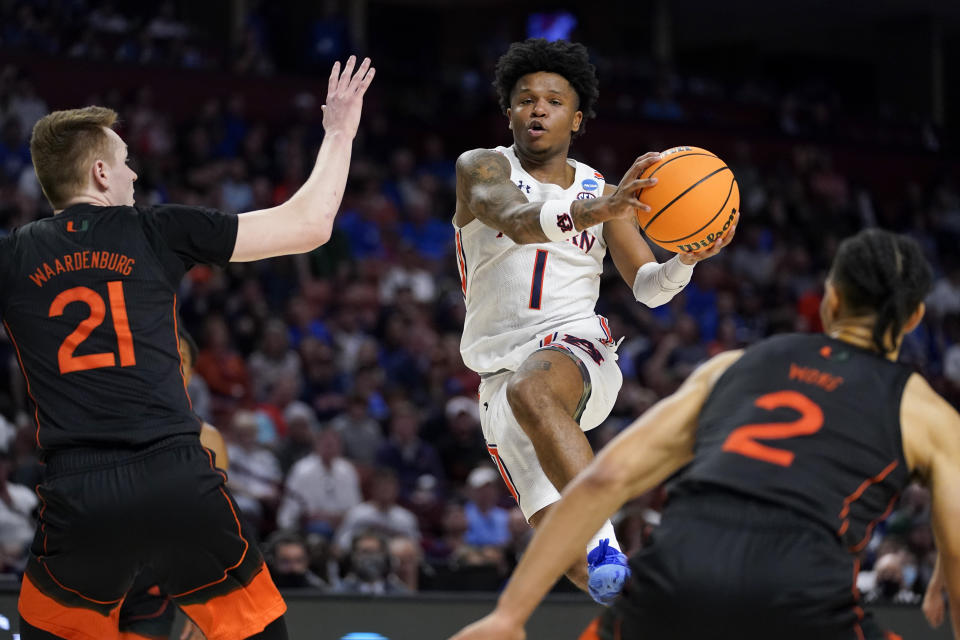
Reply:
x=341, y=112
x=624, y=199
x=623, y=202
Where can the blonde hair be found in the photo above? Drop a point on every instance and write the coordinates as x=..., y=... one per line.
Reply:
x=63, y=145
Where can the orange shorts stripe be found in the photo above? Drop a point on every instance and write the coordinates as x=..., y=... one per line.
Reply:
x=492, y=450
x=592, y=632
x=241, y=613
x=76, y=623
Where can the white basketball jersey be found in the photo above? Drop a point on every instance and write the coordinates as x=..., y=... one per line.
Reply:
x=516, y=294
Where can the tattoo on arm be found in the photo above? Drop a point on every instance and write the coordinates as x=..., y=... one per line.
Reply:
x=587, y=213
x=483, y=183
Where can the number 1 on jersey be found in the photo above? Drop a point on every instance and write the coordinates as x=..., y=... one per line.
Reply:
x=536, y=285
x=70, y=363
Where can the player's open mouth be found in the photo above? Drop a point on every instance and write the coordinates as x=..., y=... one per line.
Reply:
x=536, y=129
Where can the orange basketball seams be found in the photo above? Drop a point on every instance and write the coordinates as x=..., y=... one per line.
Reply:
x=693, y=203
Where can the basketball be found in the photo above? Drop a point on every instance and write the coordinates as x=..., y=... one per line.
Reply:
x=693, y=203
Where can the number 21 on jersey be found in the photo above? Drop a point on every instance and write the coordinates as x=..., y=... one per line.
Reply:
x=69, y=362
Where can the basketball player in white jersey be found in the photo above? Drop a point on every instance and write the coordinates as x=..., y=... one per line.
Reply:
x=532, y=229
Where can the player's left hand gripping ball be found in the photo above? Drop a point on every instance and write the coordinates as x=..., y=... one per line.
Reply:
x=608, y=571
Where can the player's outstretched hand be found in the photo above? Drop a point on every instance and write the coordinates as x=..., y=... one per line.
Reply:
x=693, y=257
x=623, y=202
x=624, y=199
x=934, y=605
x=491, y=627
x=345, y=91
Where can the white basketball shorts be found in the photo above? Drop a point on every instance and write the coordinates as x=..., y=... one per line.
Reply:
x=589, y=343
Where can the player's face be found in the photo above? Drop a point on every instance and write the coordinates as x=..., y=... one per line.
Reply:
x=543, y=111
x=122, y=176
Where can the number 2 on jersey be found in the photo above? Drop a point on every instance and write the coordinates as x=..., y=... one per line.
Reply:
x=743, y=440
x=536, y=284
x=70, y=363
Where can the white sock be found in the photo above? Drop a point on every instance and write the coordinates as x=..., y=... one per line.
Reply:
x=606, y=531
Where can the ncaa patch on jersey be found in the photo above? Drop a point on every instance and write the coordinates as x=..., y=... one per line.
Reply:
x=583, y=195
x=590, y=185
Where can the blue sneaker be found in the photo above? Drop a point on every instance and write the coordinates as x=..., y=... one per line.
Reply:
x=608, y=571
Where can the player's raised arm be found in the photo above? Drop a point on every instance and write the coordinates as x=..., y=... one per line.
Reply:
x=653, y=284
x=305, y=221
x=485, y=192
x=646, y=453
x=931, y=439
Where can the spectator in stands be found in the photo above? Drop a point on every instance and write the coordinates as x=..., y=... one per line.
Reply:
x=369, y=568
x=17, y=522
x=406, y=559
x=381, y=513
x=223, y=369
x=289, y=562
x=408, y=455
x=254, y=471
x=890, y=585
x=462, y=446
x=301, y=423
x=320, y=489
x=520, y=534
x=362, y=436
x=453, y=534
x=944, y=299
x=486, y=522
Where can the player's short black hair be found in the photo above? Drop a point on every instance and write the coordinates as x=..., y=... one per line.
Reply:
x=568, y=59
x=884, y=274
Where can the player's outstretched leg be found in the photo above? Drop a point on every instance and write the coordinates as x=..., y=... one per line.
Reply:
x=547, y=395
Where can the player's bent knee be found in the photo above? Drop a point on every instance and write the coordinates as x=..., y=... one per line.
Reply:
x=524, y=394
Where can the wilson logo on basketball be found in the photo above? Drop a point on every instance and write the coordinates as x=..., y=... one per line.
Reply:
x=709, y=239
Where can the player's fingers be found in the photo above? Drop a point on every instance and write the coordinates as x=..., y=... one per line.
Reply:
x=644, y=161
x=710, y=251
x=357, y=78
x=729, y=237
x=367, y=79
x=334, y=77
x=347, y=73
x=634, y=186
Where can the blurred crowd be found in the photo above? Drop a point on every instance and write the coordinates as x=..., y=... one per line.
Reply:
x=335, y=376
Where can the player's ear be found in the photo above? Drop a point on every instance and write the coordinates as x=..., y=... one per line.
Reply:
x=577, y=119
x=914, y=318
x=100, y=172
x=830, y=305
x=509, y=118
